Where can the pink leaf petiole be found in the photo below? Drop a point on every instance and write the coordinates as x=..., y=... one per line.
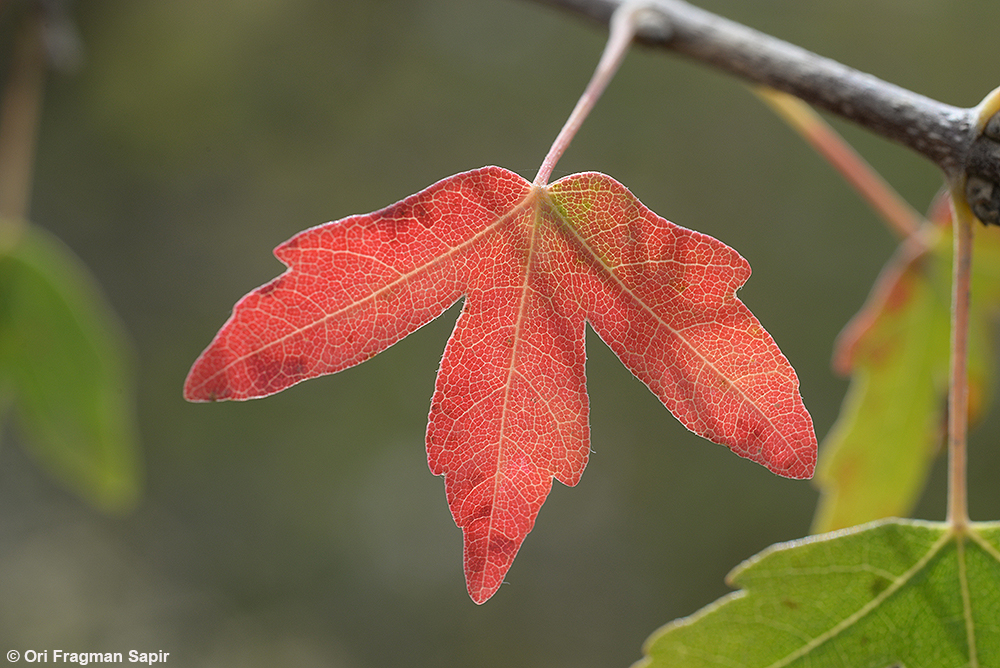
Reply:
x=627, y=19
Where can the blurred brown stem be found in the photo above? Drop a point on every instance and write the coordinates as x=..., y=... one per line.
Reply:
x=19, y=113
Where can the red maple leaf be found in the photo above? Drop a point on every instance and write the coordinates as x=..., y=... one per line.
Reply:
x=534, y=263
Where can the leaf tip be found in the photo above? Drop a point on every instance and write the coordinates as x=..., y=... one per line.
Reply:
x=480, y=596
x=792, y=459
x=484, y=573
x=204, y=382
x=789, y=464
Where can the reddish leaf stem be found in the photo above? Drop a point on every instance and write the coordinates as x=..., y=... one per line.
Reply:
x=624, y=23
x=902, y=218
x=958, y=395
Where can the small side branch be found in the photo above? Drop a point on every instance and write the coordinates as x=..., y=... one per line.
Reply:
x=941, y=132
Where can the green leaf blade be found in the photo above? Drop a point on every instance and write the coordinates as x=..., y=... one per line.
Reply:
x=890, y=592
x=63, y=361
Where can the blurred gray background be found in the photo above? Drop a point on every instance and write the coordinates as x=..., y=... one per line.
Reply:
x=305, y=529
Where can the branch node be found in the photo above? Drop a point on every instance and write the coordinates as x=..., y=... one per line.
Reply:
x=982, y=173
x=652, y=26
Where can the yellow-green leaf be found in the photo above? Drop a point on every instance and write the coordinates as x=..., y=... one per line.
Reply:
x=875, y=460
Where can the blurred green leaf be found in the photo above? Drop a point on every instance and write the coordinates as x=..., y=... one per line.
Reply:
x=63, y=363
x=875, y=461
x=892, y=592
x=876, y=458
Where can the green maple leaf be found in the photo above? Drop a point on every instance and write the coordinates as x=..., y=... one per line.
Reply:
x=894, y=592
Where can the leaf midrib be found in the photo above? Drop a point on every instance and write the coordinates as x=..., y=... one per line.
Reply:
x=897, y=583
